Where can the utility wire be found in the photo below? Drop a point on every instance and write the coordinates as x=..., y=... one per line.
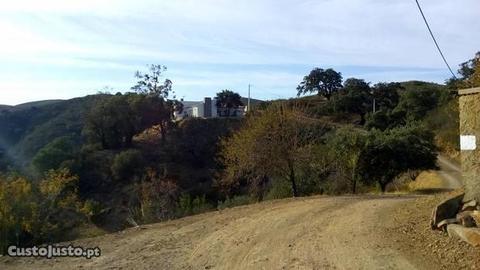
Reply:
x=434, y=39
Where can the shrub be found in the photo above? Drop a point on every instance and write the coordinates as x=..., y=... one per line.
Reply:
x=127, y=164
x=279, y=189
x=187, y=206
x=157, y=197
x=235, y=201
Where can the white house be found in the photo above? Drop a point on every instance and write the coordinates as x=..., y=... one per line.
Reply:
x=204, y=109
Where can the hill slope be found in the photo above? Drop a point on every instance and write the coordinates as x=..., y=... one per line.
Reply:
x=28, y=127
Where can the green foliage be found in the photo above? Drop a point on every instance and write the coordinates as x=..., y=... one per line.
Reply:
x=187, y=206
x=91, y=208
x=234, y=201
x=272, y=144
x=127, y=164
x=355, y=97
x=279, y=189
x=324, y=82
x=416, y=103
x=386, y=95
x=227, y=102
x=347, y=146
x=111, y=123
x=4, y=161
x=18, y=212
x=149, y=85
x=27, y=129
x=469, y=74
x=55, y=154
x=195, y=141
x=32, y=214
x=391, y=153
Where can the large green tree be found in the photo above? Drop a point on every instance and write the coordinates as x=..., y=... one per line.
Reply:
x=111, y=122
x=355, y=97
x=390, y=153
x=227, y=102
x=55, y=154
x=415, y=104
x=324, y=82
x=386, y=95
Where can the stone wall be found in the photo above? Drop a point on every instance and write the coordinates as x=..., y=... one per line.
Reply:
x=469, y=105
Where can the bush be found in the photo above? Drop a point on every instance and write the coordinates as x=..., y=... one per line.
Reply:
x=127, y=164
x=33, y=214
x=278, y=190
x=157, y=197
x=235, y=201
x=187, y=206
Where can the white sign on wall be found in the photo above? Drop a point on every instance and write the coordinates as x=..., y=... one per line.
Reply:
x=468, y=142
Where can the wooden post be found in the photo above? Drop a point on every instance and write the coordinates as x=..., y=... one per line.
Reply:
x=469, y=107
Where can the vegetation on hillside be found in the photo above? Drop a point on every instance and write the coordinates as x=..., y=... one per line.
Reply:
x=114, y=161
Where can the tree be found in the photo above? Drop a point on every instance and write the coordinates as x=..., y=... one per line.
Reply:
x=386, y=95
x=393, y=152
x=152, y=111
x=111, y=122
x=54, y=154
x=227, y=102
x=4, y=161
x=348, y=145
x=323, y=82
x=355, y=97
x=127, y=164
x=272, y=144
x=150, y=84
x=415, y=104
x=469, y=74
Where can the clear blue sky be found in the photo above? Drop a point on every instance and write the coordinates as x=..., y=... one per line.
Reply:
x=62, y=49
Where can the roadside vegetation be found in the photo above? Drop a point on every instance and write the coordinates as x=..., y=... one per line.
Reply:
x=111, y=161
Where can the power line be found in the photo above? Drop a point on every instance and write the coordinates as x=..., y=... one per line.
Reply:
x=434, y=39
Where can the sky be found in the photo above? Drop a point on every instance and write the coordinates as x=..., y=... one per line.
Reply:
x=57, y=49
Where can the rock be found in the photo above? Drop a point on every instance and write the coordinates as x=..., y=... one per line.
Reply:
x=476, y=216
x=442, y=225
x=446, y=210
x=470, y=205
x=465, y=218
x=469, y=235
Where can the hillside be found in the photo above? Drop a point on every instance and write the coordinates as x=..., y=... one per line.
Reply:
x=28, y=127
x=414, y=85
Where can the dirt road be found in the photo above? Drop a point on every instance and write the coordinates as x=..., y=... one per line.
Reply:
x=310, y=233
x=347, y=232
x=450, y=172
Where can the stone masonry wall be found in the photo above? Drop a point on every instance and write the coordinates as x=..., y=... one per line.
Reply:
x=469, y=106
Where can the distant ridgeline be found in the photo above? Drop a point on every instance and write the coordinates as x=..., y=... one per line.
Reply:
x=26, y=128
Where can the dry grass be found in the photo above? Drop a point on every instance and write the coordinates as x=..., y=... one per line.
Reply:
x=426, y=180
